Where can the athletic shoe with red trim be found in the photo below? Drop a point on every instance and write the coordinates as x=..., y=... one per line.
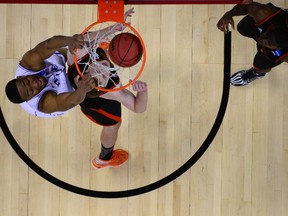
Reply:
x=118, y=158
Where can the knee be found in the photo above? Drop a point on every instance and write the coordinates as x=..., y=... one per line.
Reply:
x=112, y=130
x=115, y=127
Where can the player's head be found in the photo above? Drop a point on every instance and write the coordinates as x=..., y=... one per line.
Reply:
x=12, y=92
x=274, y=38
x=24, y=88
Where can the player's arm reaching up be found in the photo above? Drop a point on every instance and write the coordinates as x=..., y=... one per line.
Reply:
x=255, y=10
x=34, y=59
x=136, y=103
x=52, y=102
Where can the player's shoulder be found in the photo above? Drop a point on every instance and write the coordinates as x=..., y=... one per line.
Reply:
x=31, y=61
x=260, y=12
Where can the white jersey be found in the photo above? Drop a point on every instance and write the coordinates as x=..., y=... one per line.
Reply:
x=55, y=73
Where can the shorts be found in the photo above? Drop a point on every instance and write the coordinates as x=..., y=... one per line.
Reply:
x=102, y=111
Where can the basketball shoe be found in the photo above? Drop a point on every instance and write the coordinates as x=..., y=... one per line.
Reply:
x=118, y=158
x=244, y=77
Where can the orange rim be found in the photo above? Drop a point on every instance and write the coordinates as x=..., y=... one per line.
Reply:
x=143, y=59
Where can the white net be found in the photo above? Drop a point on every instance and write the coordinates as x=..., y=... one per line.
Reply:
x=98, y=62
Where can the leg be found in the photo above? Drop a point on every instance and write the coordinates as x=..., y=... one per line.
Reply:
x=109, y=135
x=261, y=66
x=108, y=139
x=108, y=114
x=108, y=156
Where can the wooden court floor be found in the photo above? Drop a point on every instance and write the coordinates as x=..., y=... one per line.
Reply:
x=244, y=172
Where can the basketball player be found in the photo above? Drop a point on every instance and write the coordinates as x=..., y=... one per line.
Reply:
x=267, y=25
x=42, y=88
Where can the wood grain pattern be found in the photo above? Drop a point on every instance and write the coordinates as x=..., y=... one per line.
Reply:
x=244, y=171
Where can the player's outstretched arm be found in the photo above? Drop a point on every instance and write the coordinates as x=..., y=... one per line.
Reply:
x=51, y=102
x=141, y=99
x=136, y=103
x=256, y=10
x=34, y=58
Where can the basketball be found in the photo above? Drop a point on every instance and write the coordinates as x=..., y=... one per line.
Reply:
x=125, y=50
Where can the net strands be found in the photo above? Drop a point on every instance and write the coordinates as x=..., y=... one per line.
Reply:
x=125, y=1
x=98, y=68
x=99, y=36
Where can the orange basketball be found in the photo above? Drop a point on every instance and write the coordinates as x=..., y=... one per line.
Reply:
x=125, y=50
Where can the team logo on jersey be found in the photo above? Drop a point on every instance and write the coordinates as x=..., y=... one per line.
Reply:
x=277, y=52
x=52, y=73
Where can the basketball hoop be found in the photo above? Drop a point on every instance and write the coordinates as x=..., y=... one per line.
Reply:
x=98, y=36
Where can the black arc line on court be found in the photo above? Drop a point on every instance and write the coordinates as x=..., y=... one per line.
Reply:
x=152, y=186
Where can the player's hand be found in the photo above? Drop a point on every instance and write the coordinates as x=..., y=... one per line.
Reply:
x=139, y=86
x=85, y=83
x=128, y=13
x=120, y=27
x=76, y=41
x=223, y=23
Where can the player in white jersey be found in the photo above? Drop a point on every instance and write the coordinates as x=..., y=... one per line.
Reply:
x=39, y=68
x=43, y=88
x=57, y=81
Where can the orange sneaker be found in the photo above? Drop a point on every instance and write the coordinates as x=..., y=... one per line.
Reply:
x=104, y=45
x=118, y=158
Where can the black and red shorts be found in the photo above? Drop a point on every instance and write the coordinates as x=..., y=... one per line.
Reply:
x=102, y=111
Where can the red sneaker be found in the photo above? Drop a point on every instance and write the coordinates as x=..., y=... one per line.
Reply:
x=118, y=158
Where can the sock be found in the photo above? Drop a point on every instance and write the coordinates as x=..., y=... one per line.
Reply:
x=106, y=153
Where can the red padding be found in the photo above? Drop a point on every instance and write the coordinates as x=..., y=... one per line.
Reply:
x=125, y=1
